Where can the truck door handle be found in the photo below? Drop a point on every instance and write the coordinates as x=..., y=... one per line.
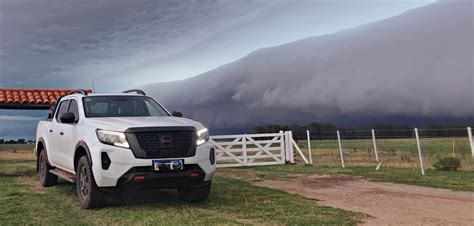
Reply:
x=50, y=130
x=61, y=133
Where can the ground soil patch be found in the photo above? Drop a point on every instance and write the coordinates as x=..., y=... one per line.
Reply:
x=386, y=203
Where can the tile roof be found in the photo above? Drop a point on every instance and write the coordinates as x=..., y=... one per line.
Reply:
x=12, y=98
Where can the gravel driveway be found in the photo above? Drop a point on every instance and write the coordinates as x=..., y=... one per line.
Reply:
x=386, y=203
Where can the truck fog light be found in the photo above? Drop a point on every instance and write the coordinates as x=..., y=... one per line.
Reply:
x=212, y=156
x=105, y=161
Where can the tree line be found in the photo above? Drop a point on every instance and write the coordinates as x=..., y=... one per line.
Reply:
x=326, y=131
x=19, y=141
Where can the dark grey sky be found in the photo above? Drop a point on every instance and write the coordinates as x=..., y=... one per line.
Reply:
x=122, y=43
x=417, y=64
x=125, y=44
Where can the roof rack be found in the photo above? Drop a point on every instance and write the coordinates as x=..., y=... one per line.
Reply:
x=81, y=91
x=139, y=91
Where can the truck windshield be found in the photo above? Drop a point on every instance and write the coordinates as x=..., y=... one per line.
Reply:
x=122, y=106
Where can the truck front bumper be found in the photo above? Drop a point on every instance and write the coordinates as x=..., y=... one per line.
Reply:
x=143, y=178
x=124, y=166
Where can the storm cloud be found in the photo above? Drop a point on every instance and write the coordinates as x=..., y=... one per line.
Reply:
x=121, y=44
x=417, y=64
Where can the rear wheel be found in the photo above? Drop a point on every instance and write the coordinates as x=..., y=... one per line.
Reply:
x=46, y=178
x=195, y=194
x=90, y=196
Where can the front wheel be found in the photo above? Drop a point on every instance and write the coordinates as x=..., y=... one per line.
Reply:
x=90, y=196
x=195, y=194
x=46, y=178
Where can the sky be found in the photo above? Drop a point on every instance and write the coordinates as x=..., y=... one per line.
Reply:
x=125, y=44
x=401, y=70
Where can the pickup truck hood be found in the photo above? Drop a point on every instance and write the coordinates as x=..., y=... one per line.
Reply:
x=120, y=124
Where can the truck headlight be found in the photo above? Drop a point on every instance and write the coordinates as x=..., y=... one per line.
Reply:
x=202, y=136
x=112, y=138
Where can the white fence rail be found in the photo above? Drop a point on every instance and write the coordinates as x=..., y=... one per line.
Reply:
x=254, y=149
x=279, y=148
x=421, y=138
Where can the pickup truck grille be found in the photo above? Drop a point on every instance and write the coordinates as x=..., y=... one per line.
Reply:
x=167, y=144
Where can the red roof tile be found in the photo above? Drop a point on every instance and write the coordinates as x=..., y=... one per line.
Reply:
x=31, y=98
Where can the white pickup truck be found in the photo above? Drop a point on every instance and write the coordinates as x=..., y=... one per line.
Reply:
x=121, y=142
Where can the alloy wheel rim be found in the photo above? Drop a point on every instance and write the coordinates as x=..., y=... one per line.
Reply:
x=42, y=168
x=84, y=182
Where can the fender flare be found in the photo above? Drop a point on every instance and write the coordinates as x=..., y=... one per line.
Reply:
x=45, y=149
x=82, y=144
x=40, y=140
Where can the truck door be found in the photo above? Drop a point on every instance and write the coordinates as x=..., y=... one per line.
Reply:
x=69, y=138
x=55, y=139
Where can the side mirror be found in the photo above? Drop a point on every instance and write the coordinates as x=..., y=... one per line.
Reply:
x=177, y=114
x=67, y=117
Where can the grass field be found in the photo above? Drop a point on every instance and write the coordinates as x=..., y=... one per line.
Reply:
x=15, y=147
x=459, y=181
x=24, y=201
x=396, y=153
x=233, y=199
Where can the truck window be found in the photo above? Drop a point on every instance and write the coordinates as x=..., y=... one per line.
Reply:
x=63, y=106
x=74, y=109
x=122, y=106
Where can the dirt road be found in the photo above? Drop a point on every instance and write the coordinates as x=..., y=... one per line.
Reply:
x=386, y=203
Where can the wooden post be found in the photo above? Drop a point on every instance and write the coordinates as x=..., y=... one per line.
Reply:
x=340, y=149
x=287, y=146
x=469, y=133
x=453, y=150
x=419, y=151
x=244, y=149
x=292, y=151
x=375, y=146
x=282, y=146
x=309, y=147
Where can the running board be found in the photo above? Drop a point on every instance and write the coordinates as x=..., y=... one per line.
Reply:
x=63, y=174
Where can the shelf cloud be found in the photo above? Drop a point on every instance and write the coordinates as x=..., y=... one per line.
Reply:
x=406, y=65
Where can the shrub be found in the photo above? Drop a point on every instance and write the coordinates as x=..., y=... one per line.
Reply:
x=448, y=164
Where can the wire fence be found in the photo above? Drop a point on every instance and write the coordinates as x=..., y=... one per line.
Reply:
x=417, y=148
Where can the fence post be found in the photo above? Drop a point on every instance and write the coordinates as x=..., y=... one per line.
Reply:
x=375, y=146
x=469, y=133
x=244, y=148
x=287, y=149
x=419, y=151
x=292, y=152
x=309, y=147
x=282, y=146
x=340, y=149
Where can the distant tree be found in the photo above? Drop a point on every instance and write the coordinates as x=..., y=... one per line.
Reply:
x=11, y=142
x=2, y=141
x=21, y=141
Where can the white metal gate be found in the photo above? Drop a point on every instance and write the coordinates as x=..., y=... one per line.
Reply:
x=250, y=149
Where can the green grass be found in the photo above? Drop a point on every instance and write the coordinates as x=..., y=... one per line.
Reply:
x=396, y=153
x=430, y=145
x=15, y=168
x=458, y=180
x=24, y=201
x=16, y=147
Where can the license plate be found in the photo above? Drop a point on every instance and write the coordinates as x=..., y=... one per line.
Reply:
x=168, y=165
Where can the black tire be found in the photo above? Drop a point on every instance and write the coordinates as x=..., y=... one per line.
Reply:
x=46, y=178
x=90, y=196
x=199, y=194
